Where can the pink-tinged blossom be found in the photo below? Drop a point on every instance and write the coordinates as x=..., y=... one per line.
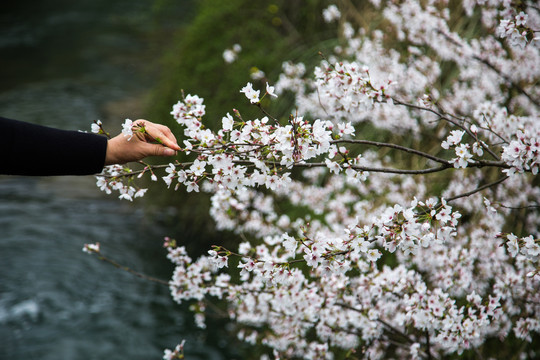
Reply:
x=373, y=255
x=192, y=186
x=333, y=166
x=290, y=244
x=177, y=353
x=463, y=156
x=198, y=167
x=103, y=184
x=521, y=19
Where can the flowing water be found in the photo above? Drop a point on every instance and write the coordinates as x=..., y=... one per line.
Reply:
x=64, y=64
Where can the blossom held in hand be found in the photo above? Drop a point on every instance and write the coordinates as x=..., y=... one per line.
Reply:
x=127, y=128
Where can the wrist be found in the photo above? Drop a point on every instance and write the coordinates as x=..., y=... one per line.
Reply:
x=112, y=155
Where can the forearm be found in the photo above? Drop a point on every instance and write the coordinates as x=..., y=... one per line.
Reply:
x=31, y=149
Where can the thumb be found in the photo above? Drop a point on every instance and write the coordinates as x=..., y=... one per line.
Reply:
x=159, y=150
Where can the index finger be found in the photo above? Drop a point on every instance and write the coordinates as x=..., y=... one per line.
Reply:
x=163, y=135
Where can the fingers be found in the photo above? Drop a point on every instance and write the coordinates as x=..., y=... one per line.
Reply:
x=167, y=138
x=163, y=135
x=160, y=133
x=120, y=150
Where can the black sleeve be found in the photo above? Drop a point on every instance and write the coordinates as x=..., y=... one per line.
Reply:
x=30, y=149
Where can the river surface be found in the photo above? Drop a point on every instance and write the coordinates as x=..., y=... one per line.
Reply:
x=65, y=64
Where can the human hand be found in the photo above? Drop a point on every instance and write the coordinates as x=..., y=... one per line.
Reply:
x=148, y=139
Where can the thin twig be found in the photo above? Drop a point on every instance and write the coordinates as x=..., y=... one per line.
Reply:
x=267, y=113
x=480, y=188
x=131, y=271
x=445, y=118
x=520, y=207
x=507, y=78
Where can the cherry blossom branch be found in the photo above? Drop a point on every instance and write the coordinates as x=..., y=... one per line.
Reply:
x=393, y=146
x=445, y=165
x=383, y=170
x=137, y=172
x=477, y=164
x=478, y=189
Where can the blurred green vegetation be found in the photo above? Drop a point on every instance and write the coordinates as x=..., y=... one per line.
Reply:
x=268, y=31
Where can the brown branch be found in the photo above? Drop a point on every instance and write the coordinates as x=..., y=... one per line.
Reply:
x=480, y=188
x=393, y=146
x=487, y=163
x=383, y=170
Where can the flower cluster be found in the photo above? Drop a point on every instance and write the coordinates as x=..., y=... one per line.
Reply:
x=177, y=353
x=523, y=154
x=112, y=179
x=515, y=29
x=224, y=157
x=527, y=246
x=464, y=156
x=187, y=112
